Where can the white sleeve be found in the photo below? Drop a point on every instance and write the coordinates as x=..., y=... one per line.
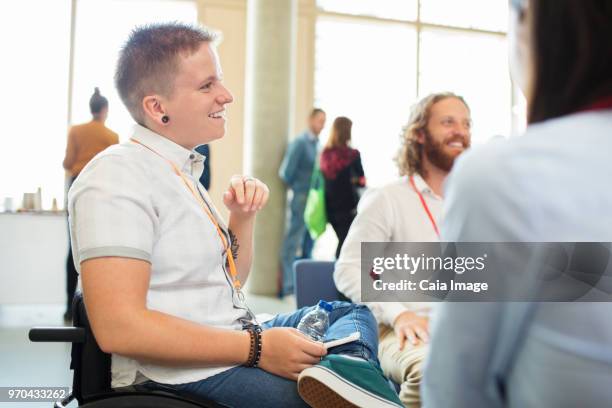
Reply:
x=373, y=223
x=111, y=211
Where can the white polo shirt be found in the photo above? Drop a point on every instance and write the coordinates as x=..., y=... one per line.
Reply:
x=129, y=202
x=393, y=213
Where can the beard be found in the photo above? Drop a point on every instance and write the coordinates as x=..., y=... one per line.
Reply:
x=436, y=151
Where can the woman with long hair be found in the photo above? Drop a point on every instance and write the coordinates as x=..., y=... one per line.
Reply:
x=343, y=174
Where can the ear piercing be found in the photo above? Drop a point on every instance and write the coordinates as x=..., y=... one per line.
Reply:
x=165, y=118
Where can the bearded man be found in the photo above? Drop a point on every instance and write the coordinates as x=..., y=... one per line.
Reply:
x=407, y=210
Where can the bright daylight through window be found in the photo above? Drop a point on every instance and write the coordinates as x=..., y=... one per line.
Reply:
x=35, y=90
x=369, y=68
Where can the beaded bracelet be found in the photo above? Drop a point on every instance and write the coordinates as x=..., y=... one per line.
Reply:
x=255, y=348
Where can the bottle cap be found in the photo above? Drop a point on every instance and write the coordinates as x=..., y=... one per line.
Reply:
x=325, y=306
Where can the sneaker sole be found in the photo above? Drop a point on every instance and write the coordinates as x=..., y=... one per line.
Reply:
x=323, y=388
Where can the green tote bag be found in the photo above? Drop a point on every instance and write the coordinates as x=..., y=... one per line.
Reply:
x=315, y=215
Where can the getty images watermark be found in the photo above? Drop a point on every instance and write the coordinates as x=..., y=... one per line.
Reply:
x=484, y=272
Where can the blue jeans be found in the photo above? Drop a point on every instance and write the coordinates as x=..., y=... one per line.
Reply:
x=254, y=387
x=294, y=238
x=307, y=245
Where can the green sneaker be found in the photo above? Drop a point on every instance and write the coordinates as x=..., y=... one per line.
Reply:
x=345, y=381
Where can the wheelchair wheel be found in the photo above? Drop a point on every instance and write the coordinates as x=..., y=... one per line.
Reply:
x=142, y=401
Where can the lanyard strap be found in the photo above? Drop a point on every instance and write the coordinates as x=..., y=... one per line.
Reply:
x=425, y=206
x=226, y=245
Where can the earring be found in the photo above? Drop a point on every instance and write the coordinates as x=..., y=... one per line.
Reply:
x=165, y=118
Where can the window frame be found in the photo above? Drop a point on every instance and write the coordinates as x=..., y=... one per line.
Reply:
x=516, y=119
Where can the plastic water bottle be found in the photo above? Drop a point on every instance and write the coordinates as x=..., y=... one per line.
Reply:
x=315, y=323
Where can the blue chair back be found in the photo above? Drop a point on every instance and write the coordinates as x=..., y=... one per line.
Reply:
x=314, y=281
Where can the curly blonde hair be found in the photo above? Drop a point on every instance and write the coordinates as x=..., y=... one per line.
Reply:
x=410, y=155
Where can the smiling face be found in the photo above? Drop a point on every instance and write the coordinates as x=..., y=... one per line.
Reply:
x=196, y=107
x=448, y=133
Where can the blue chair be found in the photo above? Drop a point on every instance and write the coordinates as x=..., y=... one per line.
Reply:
x=314, y=281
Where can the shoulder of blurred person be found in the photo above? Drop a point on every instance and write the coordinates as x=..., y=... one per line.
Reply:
x=489, y=185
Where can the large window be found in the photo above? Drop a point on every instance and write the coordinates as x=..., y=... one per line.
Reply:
x=36, y=77
x=478, y=14
x=359, y=76
x=35, y=38
x=474, y=66
x=393, y=9
x=373, y=64
x=102, y=28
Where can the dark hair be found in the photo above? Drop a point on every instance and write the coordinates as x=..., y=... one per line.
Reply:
x=97, y=102
x=409, y=158
x=315, y=112
x=341, y=132
x=572, y=51
x=148, y=62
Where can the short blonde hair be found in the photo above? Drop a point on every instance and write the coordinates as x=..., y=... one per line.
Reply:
x=149, y=61
x=410, y=155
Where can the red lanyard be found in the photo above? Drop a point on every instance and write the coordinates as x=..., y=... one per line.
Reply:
x=226, y=246
x=425, y=206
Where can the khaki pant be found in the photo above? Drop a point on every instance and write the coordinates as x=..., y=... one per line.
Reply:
x=403, y=367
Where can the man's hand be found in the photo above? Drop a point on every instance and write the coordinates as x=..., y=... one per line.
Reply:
x=286, y=352
x=409, y=326
x=245, y=195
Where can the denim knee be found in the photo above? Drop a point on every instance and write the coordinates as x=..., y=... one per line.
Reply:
x=364, y=311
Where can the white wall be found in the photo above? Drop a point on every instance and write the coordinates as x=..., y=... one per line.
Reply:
x=230, y=18
x=33, y=249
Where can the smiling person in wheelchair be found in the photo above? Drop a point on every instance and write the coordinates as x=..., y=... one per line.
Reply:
x=161, y=271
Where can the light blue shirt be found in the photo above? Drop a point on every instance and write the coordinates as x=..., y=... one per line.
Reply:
x=298, y=162
x=550, y=185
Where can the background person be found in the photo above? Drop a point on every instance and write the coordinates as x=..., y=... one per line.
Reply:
x=84, y=142
x=549, y=185
x=341, y=168
x=295, y=171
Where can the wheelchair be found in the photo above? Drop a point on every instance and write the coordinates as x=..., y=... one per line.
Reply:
x=92, y=371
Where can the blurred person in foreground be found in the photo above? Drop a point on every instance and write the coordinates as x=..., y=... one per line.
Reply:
x=548, y=185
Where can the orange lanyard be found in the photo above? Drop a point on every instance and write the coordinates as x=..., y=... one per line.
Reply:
x=226, y=245
x=425, y=206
